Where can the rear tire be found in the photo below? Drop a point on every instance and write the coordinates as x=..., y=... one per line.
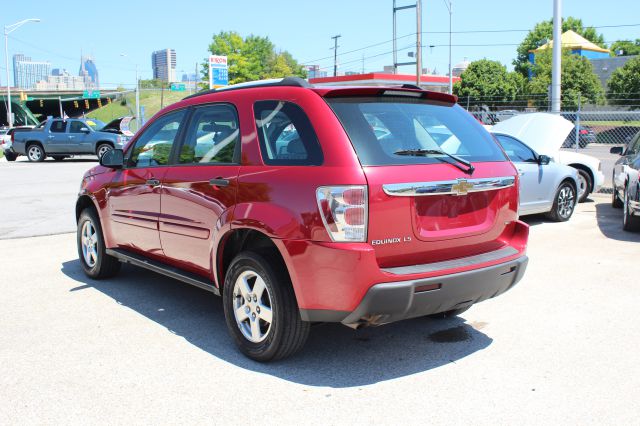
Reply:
x=564, y=203
x=260, y=307
x=629, y=222
x=449, y=314
x=92, y=252
x=58, y=157
x=35, y=153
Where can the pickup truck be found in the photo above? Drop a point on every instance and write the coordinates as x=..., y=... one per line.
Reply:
x=61, y=138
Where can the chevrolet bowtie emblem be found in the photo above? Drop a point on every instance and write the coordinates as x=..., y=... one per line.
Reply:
x=462, y=187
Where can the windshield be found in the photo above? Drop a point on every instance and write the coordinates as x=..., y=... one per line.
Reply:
x=387, y=130
x=94, y=123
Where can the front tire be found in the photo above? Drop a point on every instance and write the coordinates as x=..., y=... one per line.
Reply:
x=616, y=203
x=629, y=222
x=260, y=307
x=92, y=252
x=450, y=314
x=10, y=156
x=102, y=149
x=564, y=203
x=35, y=153
x=585, y=185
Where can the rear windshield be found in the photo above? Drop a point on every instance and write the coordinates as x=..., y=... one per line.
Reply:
x=383, y=129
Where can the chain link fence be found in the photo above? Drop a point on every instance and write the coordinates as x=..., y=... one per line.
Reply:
x=598, y=126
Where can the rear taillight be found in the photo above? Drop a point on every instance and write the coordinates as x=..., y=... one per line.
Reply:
x=584, y=131
x=344, y=211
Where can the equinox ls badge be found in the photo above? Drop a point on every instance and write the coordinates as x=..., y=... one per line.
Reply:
x=396, y=240
x=462, y=187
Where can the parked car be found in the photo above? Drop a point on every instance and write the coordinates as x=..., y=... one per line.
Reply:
x=545, y=134
x=506, y=114
x=340, y=224
x=545, y=186
x=586, y=136
x=58, y=138
x=6, y=141
x=626, y=183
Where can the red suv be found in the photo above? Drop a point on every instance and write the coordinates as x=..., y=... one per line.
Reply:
x=301, y=204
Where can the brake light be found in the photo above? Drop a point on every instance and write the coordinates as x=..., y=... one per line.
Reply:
x=583, y=131
x=344, y=212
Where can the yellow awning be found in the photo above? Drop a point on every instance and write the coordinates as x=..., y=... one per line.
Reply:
x=573, y=40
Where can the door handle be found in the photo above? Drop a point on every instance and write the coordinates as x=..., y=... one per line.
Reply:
x=51, y=136
x=71, y=137
x=520, y=172
x=219, y=182
x=153, y=182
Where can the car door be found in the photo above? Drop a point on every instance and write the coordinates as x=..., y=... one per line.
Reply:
x=77, y=136
x=134, y=194
x=200, y=187
x=57, y=139
x=537, y=186
x=621, y=167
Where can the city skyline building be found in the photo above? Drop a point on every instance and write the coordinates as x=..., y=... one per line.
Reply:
x=89, y=70
x=27, y=72
x=163, y=63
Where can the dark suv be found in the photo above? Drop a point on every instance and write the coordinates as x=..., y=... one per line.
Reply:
x=301, y=204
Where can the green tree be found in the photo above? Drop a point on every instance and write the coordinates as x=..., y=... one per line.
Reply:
x=489, y=82
x=624, y=84
x=627, y=47
x=542, y=32
x=578, y=79
x=251, y=58
x=152, y=84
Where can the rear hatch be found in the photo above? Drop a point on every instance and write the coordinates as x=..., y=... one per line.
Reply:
x=440, y=188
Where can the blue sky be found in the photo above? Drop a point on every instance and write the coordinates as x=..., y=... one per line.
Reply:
x=304, y=28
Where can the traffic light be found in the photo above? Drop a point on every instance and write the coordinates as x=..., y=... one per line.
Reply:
x=23, y=96
x=75, y=104
x=41, y=103
x=99, y=103
x=86, y=103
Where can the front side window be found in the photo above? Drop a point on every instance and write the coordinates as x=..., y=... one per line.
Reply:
x=75, y=126
x=286, y=135
x=516, y=150
x=212, y=136
x=397, y=130
x=58, y=126
x=153, y=147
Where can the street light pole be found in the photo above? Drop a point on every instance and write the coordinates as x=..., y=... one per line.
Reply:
x=335, y=54
x=450, y=70
x=418, y=41
x=138, y=118
x=8, y=29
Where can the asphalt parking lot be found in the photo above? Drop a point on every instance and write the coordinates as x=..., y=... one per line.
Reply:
x=560, y=347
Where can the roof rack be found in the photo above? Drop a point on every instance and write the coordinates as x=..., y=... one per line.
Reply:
x=286, y=81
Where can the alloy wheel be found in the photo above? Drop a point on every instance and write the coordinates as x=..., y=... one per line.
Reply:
x=89, y=239
x=102, y=150
x=566, y=201
x=34, y=153
x=252, y=306
x=582, y=185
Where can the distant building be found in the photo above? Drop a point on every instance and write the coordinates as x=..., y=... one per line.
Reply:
x=604, y=67
x=88, y=69
x=460, y=67
x=163, y=63
x=314, y=71
x=188, y=77
x=62, y=80
x=26, y=72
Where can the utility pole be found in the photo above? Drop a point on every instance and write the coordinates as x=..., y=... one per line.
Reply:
x=395, y=43
x=335, y=54
x=556, y=64
x=450, y=70
x=418, y=41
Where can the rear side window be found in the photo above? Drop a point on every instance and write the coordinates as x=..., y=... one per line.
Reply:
x=58, y=126
x=286, y=135
x=385, y=130
x=212, y=136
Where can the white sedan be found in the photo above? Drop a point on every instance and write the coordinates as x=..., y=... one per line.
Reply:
x=545, y=133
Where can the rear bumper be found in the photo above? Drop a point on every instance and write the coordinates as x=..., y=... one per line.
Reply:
x=598, y=181
x=389, y=302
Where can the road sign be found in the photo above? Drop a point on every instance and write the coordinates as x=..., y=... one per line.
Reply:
x=218, y=71
x=178, y=87
x=91, y=94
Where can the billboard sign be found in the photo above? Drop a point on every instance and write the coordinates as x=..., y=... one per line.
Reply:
x=218, y=71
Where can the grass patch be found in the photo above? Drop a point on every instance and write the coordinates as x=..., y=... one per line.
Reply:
x=149, y=99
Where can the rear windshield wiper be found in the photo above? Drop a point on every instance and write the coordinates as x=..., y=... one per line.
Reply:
x=424, y=152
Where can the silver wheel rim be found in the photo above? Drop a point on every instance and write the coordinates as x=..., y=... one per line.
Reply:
x=582, y=185
x=566, y=201
x=252, y=306
x=34, y=153
x=89, y=242
x=102, y=150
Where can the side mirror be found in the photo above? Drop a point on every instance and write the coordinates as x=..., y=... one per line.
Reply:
x=85, y=130
x=113, y=158
x=616, y=150
x=543, y=160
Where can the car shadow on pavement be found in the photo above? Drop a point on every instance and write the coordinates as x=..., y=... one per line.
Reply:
x=334, y=356
x=610, y=223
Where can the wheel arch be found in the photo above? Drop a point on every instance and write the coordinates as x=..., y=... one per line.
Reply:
x=588, y=170
x=105, y=142
x=84, y=201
